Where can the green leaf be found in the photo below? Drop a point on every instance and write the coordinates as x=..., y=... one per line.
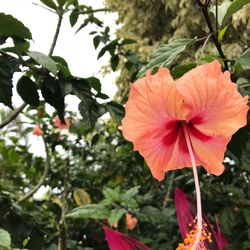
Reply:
x=61, y=2
x=116, y=215
x=128, y=41
x=49, y=3
x=44, y=60
x=73, y=17
x=222, y=33
x=51, y=92
x=222, y=10
x=19, y=48
x=5, y=240
x=114, y=62
x=11, y=27
x=90, y=111
x=96, y=41
x=234, y=7
x=112, y=194
x=115, y=110
x=7, y=69
x=129, y=194
x=244, y=60
x=90, y=211
x=62, y=66
x=27, y=89
x=95, y=83
x=109, y=47
x=81, y=88
x=180, y=70
x=164, y=56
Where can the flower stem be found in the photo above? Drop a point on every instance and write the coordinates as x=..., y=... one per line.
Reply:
x=197, y=187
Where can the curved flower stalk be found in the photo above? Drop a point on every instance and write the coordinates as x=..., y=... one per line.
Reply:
x=120, y=241
x=186, y=213
x=184, y=123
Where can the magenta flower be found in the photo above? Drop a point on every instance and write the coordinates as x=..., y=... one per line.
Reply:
x=186, y=212
x=120, y=241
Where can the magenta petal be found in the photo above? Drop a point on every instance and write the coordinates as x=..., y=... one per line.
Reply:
x=186, y=212
x=120, y=241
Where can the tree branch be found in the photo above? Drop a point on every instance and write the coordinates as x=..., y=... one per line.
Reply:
x=58, y=26
x=204, y=9
x=41, y=181
x=13, y=115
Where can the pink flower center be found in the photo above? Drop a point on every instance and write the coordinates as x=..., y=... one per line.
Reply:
x=175, y=129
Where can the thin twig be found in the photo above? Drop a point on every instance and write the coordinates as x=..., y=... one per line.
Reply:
x=54, y=41
x=204, y=9
x=216, y=17
x=13, y=115
x=92, y=11
x=62, y=240
x=42, y=179
x=170, y=186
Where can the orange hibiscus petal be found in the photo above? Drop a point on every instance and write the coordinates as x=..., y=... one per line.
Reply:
x=153, y=104
x=216, y=104
x=209, y=150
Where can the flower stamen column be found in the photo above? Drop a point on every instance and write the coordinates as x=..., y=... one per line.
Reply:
x=197, y=186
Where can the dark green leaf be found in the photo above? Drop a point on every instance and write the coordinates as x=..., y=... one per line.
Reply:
x=90, y=211
x=164, y=56
x=7, y=67
x=19, y=48
x=44, y=60
x=116, y=110
x=128, y=41
x=102, y=96
x=61, y=2
x=90, y=111
x=96, y=41
x=5, y=240
x=73, y=18
x=95, y=83
x=62, y=66
x=244, y=60
x=10, y=26
x=49, y=3
x=180, y=70
x=81, y=88
x=51, y=92
x=114, y=62
x=109, y=47
x=27, y=89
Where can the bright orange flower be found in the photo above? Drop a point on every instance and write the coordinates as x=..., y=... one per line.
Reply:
x=204, y=102
x=37, y=131
x=60, y=125
x=131, y=222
